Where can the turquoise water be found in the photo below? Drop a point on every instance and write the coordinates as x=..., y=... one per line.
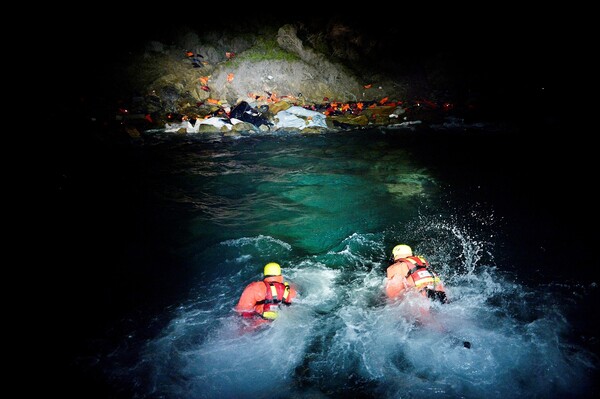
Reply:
x=181, y=224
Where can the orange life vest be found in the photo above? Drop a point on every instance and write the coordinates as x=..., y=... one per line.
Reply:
x=419, y=273
x=277, y=294
x=424, y=279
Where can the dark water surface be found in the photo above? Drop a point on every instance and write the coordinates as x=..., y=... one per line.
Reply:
x=157, y=238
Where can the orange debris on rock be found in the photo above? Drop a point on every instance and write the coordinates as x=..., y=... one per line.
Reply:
x=272, y=98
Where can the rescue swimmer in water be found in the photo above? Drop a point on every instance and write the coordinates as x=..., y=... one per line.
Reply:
x=413, y=274
x=408, y=272
x=261, y=300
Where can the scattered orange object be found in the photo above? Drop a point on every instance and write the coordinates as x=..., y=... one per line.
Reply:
x=368, y=86
x=229, y=77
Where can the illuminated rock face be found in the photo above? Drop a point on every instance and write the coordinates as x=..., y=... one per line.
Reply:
x=200, y=76
x=202, y=70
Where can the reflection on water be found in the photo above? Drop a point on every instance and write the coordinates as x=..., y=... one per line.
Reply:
x=329, y=208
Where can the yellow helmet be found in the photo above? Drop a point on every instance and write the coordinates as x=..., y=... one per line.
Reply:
x=272, y=269
x=401, y=251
